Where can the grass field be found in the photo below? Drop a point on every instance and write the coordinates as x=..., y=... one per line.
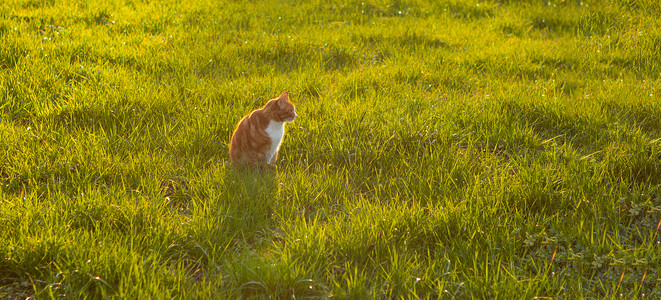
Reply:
x=444, y=149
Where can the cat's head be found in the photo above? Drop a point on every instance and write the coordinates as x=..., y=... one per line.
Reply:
x=281, y=109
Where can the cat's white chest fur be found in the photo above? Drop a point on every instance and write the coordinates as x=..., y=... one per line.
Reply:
x=275, y=130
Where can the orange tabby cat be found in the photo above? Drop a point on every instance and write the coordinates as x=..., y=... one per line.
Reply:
x=258, y=136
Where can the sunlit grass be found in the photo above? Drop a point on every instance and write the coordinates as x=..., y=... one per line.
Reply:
x=477, y=149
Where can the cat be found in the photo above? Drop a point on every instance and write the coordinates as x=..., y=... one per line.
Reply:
x=258, y=136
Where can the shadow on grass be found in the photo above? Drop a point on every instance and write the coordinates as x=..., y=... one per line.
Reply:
x=236, y=212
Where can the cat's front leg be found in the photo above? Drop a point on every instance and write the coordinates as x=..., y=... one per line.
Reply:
x=275, y=157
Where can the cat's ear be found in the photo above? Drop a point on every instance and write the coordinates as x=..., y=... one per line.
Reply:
x=284, y=95
x=283, y=99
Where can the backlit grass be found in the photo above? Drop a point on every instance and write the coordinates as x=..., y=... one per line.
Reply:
x=468, y=149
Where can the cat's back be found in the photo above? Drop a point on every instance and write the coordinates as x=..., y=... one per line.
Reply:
x=249, y=135
x=251, y=124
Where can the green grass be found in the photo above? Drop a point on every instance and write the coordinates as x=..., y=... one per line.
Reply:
x=468, y=149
